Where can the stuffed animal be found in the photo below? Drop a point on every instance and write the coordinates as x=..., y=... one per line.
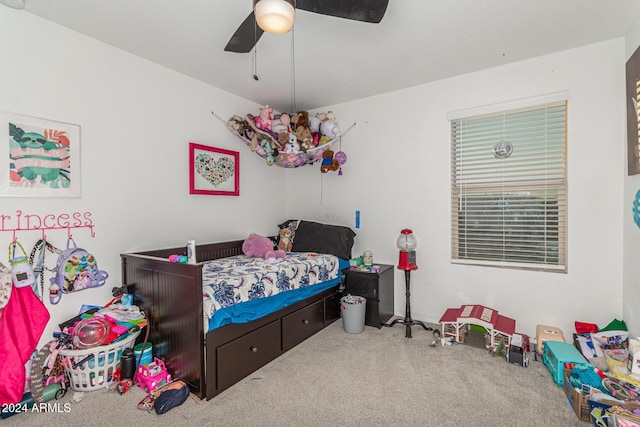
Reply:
x=269, y=151
x=258, y=246
x=314, y=124
x=292, y=146
x=330, y=128
x=283, y=138
x=264, y=120
x=281, y=124
x=301, y=119
x=323, y=139
x=259, y=140
x=236, y=124
x=285, y=243
x=328, y=162
x=304, y=138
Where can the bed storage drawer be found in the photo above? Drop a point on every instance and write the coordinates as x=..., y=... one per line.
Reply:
x=247, y=353
x=301, y=324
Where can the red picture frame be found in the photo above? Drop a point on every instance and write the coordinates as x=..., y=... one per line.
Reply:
x=213, y=171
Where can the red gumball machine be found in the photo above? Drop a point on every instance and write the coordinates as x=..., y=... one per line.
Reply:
x=407, y=243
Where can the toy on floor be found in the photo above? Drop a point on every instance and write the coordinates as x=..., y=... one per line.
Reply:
x=547, y=333
x=436, y=338
x=499, y=328
x=517, y=352
x=152, y=376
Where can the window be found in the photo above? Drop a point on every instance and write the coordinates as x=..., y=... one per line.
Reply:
x=509, y=188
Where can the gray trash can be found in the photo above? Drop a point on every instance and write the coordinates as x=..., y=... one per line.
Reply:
x=353, y=311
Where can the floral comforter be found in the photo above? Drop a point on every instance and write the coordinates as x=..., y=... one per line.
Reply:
x=237, y=279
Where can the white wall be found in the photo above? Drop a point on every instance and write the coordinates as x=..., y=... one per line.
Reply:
x=398, y=175
x=136, y=121
x=631, y=272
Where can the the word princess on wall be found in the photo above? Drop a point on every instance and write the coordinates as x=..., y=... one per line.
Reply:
x=38, y=157
x=22, y=222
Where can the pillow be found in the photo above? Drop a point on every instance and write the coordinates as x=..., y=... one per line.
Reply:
x=323, y=238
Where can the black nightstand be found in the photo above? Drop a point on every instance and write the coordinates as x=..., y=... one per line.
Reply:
x=377, y=288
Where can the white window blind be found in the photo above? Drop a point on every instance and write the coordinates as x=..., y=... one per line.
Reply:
x=509, y=188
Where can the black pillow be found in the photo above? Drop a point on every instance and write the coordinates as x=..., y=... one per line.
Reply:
x=323, y=238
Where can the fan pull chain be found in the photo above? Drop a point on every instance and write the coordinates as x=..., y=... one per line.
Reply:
x=255, y=51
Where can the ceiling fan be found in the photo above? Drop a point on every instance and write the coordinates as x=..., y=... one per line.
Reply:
x=248, y=33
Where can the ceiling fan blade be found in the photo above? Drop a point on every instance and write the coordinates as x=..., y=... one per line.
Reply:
x=363, y=10
x=245, y=37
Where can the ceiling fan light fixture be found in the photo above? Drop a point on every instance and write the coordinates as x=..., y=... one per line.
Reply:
x=14, y=4
x=274, y=16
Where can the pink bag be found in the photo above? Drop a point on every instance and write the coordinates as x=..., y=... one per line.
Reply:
x=21, y=325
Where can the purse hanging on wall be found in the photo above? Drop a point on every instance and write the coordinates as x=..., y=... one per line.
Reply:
x=76, y=270
x=21, y=271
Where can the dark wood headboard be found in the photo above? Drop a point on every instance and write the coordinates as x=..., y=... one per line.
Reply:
x=171, y=296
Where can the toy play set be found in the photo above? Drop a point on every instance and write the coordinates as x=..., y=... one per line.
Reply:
x=456, y=321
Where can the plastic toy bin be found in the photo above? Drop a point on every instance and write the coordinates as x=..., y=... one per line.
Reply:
x=558, y=356
x=94, y=368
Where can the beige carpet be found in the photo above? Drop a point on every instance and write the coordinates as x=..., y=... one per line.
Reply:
x=377, y=378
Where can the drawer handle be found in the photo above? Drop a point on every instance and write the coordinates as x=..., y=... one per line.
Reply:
x=253, y=349
x=305, y=321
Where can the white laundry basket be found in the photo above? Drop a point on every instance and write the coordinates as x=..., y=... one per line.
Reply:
x=94, y=368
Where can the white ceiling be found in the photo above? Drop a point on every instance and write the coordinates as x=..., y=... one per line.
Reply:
x=338, y=60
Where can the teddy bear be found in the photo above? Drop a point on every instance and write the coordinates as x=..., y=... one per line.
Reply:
x=301, y=119
x=314, y=122
x=328, y=162
x=236, y=124
x=304, y=138
x=285, y=243
x=326, y=116
x=292, y=146
x=283, y=138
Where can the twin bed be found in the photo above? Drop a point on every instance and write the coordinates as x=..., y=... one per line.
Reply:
x=218, y=320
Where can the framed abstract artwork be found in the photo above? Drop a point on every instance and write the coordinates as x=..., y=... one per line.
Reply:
x=38, y=157
x=213, y=171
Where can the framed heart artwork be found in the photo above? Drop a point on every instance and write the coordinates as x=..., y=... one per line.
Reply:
x=213, y=171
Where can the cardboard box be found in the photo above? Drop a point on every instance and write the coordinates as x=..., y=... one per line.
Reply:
x=577, y=401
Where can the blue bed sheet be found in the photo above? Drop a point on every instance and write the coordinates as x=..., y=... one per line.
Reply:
x=251, y=310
